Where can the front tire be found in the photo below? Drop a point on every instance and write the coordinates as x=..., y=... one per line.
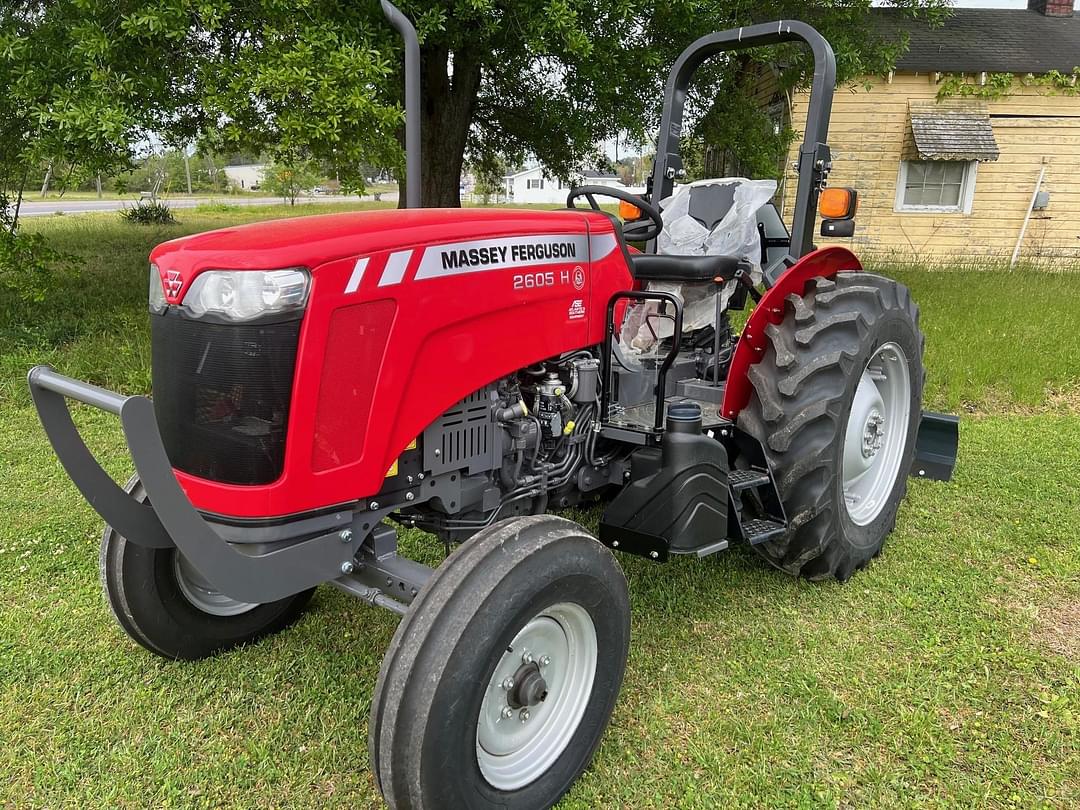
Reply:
x=836, y=403
x=167, y=606
x=500, y=680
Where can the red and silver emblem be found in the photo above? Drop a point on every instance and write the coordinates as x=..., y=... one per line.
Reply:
x=173, y=283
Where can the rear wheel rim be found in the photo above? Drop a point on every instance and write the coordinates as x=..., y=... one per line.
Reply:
x=198, y=590
x=876, y=433
x=517, y=743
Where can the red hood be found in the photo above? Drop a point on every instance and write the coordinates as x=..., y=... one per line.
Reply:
x=313, y=241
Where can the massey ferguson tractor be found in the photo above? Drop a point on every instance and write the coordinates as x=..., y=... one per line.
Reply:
x=319, y=381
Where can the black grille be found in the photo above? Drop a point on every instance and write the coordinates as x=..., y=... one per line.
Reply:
x=221, y=395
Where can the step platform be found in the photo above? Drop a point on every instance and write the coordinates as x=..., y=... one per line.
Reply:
x=636, y=424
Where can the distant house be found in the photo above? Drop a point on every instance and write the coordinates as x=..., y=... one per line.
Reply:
x=246, y=177
x=951, y=151
x=535, y=185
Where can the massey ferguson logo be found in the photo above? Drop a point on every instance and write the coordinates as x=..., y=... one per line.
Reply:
x=173, y=283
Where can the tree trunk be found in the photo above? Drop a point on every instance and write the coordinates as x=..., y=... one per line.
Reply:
x=446, y=111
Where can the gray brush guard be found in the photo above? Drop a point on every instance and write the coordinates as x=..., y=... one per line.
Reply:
x=245, y=572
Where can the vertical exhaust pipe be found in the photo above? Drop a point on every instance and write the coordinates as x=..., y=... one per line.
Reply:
x=412, y=101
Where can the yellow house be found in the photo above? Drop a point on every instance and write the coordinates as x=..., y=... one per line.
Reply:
x=971, y=147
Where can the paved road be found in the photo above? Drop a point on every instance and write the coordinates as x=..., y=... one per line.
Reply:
x=31, y=208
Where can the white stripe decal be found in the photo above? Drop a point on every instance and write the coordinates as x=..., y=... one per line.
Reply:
x=601, y=245
x=357, y=276
x=503, y=253
x=395, y=268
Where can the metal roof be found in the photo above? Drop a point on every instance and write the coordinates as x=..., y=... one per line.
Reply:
x=973, y=40
x=952, y=131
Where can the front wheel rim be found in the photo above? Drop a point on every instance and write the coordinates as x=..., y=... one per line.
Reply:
x=519, y=736
x=876, y=433
x=198, y=590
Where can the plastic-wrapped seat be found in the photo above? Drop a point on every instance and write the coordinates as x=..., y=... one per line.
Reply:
x=710, y=218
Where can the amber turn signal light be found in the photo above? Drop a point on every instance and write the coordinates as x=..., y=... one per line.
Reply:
x=628, y=212
x=838, y=203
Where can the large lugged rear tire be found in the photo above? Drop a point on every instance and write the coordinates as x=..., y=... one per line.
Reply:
x=836, y=402
x=501, y=678
x=167, y=606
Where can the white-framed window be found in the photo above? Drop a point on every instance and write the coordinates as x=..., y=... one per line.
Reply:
x=946, y=186
x=531, y=184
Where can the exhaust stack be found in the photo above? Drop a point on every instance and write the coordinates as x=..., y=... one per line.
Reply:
x=412, y=101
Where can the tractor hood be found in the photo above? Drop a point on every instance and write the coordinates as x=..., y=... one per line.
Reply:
x=313, y=241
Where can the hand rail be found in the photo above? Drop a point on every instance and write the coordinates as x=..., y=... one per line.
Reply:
x=661, y=374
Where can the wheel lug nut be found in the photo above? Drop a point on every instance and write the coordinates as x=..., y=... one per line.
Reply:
x=508, y=684
x=524, y=716
x=507, y=712
x=545, y=660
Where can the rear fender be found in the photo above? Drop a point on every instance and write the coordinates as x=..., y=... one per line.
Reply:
x=823, y=263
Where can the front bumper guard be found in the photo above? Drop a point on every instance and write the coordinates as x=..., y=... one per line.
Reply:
x=168, y=518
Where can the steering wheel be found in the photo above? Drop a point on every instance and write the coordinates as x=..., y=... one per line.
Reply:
x=645, y=232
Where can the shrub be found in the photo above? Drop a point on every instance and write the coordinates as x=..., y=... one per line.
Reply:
x=28, y=264
x=148, y=213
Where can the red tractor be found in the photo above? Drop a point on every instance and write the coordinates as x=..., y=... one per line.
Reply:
x=317, y=381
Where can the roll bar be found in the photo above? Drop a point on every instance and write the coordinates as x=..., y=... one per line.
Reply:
x=412, y=101
x=814, y=159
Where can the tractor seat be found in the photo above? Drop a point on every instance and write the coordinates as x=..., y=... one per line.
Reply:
x=668, y=267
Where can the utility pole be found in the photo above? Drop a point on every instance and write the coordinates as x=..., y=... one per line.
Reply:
x=48, y=177
x=187, y=171
x=98, y=182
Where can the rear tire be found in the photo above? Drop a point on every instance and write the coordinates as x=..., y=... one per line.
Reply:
x=450, y=726
x=856, y=329
x=164, y=604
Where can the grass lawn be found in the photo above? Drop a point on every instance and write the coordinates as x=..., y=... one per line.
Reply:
x=946, y=674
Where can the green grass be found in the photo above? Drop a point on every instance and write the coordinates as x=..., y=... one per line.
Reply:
x=947, y=674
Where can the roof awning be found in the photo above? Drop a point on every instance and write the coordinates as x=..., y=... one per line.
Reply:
x=952, y=131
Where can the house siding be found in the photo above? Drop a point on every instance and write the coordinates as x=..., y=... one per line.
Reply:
x=870, y=133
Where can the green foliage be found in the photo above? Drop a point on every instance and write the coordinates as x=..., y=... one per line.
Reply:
x=1002, y=85
x=153, y=212
x=29, y=265
x=82, y=81
x=738, y=136
x=290, y=180
x=303, y=81
x=502, y=79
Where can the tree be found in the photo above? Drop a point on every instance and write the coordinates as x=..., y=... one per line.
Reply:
x=82, y=80
x=289, y=180
x=321, y=80
x=506, y=78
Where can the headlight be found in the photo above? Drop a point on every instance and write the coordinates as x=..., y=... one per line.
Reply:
x=241, y=295
x=157, y=292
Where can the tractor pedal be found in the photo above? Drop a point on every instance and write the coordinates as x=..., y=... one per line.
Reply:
x=761, y=531
x=742, y=480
